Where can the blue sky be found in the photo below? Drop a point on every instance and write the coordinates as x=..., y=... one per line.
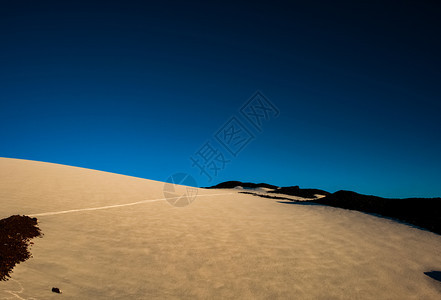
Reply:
x=138, y=88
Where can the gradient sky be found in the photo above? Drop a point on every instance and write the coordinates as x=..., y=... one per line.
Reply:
x=137, y=88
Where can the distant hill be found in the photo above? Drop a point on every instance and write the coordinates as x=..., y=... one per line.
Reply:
x=233, y=184
x=287, y=190
x=422, y=212
x=297, y=191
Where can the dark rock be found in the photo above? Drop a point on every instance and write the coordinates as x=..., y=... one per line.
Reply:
x=56, y=290
x=434, y=275
x=16, y=233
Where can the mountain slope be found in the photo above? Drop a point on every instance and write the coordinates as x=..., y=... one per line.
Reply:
x=109, y=236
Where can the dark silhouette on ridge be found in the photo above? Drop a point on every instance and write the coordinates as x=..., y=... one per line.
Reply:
x=233, y=184
x=288, y=190
x=421, y=212
x=297, y=191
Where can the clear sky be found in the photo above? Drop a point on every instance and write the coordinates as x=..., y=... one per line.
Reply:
x=138, y=88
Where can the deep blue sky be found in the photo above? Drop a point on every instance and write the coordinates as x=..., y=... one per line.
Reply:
x=137, y=88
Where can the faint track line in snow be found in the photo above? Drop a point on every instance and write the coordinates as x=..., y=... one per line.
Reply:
x=15, y=293
x=114, y=206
